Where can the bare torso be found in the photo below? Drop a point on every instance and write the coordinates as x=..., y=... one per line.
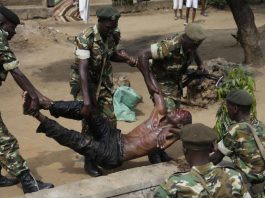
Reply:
x=143, y=139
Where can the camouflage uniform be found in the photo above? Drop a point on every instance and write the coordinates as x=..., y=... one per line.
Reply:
x=90, y=44
x=169, y=63
x=239, y=144
x=217, y=182
x=10, y=158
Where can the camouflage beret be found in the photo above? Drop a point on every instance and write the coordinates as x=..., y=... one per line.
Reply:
x=108, y=13
x=240, y=97
x=197, y=136
x=195, y=32
x=9, y=15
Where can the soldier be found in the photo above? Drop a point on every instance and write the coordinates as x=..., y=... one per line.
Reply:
x=239, y=142
x=10, y=159
x=168, y=61
x=91, y=75
x=204, y=179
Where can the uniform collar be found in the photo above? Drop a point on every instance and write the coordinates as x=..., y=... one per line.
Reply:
x=203, y=169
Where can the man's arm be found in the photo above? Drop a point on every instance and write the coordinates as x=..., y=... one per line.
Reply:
x=26, y=85
x=84, y=77
x=122, y=56
x=144, y=67
x=198, y=60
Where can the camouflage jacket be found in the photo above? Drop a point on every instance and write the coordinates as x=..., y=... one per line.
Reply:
x=169, y=61
x=217, y=182
x=8, y=59
x=89, y=45
x=239, y=144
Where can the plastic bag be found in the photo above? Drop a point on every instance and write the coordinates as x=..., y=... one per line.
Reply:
x=124, y=101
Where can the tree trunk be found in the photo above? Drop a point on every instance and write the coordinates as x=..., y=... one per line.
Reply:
x=247, y=31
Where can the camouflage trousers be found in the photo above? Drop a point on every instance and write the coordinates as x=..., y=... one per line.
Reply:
x=171, y=95
x=10, y=159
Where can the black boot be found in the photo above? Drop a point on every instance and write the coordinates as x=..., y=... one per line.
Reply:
x=164, y=156
x=4, y=181
x=154, y=156
x=91, y=168
x=29, y=184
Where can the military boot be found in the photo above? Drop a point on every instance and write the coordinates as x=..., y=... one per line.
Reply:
x=4, y=181
x=91, y=168
x=154, y=157
x=164, y=156
x=30, y=184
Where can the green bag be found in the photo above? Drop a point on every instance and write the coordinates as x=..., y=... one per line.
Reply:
x=124, y=101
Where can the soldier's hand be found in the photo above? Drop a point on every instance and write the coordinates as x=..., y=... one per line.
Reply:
x=85, y=111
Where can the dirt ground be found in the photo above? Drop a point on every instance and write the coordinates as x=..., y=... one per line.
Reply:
x=45, y=55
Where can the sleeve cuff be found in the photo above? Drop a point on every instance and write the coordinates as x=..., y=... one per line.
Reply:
x=154, y=51
x=10, y=66
x=42, y=128
x=82, y=54
x=223, y=149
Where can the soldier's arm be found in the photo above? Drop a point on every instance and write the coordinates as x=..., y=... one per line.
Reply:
x=10, y=64
x=122, y=56
x=25, y=85
x=198, y=60
x=84, y=42
x=84, y=77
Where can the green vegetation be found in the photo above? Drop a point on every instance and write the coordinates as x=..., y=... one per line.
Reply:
x=236, y=78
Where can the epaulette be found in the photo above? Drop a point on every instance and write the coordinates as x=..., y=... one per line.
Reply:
x=89, y=31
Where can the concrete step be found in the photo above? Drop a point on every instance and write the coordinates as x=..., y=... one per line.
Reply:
x=22, y=2
x=31, y=11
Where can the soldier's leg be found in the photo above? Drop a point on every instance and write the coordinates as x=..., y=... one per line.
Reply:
x=89, y=165
x=15, y=165
x=10, y=158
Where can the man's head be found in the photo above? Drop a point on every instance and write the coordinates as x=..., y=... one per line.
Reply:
x=179, y=117
x=8, y=21
x=108, y=18
x=193, y=37
x=197, y=139
x=238, y=103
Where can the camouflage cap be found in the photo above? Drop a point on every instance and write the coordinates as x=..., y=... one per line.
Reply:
x=197, y=136
x=240, y=97
x=108, y=13
x=9, y=15
x=195, y=32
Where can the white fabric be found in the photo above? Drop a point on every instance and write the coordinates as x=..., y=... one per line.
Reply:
x=177, y=4
x=192, y=3
x=154, y=51
x=246, y=195
x=10, y=66
x=82, y=54
x=223, y=148
x=84, y=9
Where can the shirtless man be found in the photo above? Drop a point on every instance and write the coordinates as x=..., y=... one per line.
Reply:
x=110, y=147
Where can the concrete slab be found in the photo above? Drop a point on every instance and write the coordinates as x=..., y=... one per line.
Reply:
x=128, y=183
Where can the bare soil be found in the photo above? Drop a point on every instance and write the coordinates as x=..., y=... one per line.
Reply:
x=46, y=54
